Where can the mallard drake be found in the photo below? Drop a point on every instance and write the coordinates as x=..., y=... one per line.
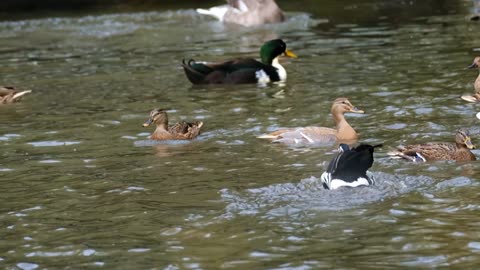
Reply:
x=179, y=131
x=476, y=96
x=246, y=12
x=242, y=70
x=343, y=132
x=10, y=94
x=460, y=151
x=349, y=167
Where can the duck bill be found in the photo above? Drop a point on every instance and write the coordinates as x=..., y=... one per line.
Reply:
x=356, y=110
x=290, y=54
x=472, y=66
x=147, y=123
x=469, y=144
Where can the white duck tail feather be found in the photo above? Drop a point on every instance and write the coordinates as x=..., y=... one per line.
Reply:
x=267, y=136
x=20, y=94
x=217, y=12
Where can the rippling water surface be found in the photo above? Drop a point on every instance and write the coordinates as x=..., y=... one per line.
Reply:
x=82, y=185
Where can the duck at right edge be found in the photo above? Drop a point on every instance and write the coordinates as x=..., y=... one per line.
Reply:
x=476, y=96
x=435, y=151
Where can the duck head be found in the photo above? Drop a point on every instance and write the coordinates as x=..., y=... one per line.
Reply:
x=157, y=116
x=273, y=49
x=475, y=64
x=343, y=105
x=463, y=138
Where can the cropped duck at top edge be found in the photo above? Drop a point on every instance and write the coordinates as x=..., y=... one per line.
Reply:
x=476, y=96
x=435, y=151
x=179, y=131
x=246, y=12
x=349, y=168
x=242, y=70
x=11, y=94
x=342, y=133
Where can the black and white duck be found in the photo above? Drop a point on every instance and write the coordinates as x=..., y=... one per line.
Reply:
x=349, y=168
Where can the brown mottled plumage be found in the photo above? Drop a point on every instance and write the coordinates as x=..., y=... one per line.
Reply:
x=476, y=96
x=180, y=131
x=10, y=94
x=439, y=151
x=343, y=132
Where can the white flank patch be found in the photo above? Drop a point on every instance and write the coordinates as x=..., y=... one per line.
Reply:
x=282, y=73
x=336, y=183
x=326, y=178
x=478, y=115
x=262, y=76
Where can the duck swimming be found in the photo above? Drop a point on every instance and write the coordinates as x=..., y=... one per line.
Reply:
x=349, y=168
x=11, y=94
x=460, y=151
x=342, y=133
x=476, y=96
x=246, y=12
x=180, y=131
x=242, y=70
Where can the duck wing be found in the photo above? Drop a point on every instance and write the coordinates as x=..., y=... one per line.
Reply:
x=306, y=135
x=429, y=151
x=237, y=71
x=185, y=130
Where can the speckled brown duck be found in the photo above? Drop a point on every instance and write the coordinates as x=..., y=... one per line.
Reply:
x=342, y=133
x=459, y=151
x=476, y=96
x=246, y=12
x=11, y=94
x=180, y=131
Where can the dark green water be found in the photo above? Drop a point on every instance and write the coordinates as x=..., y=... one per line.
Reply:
x=82, y=187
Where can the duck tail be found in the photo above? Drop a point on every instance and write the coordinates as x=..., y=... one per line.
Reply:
x=217, y=12
x=20, y=94
x=474, y=98
x=194, y=76
x=268, y=136
x=196, y=71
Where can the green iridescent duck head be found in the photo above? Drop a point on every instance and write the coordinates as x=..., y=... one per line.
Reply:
x=274, y=48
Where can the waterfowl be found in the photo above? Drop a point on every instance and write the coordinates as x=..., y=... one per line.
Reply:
x=460, y=151
x=476, y=96
x=242, y=70
x=246, y=12
x=349, y=167
x=180, y=131
x=11, y=94
x=342, y=133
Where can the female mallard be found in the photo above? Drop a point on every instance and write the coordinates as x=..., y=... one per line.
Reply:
x=349, y=167
x=246, y=12
x=344, y=132
x=438, y=151
x=10, y=94
x=242, y=70
x=476, y=96
x=179, y=131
